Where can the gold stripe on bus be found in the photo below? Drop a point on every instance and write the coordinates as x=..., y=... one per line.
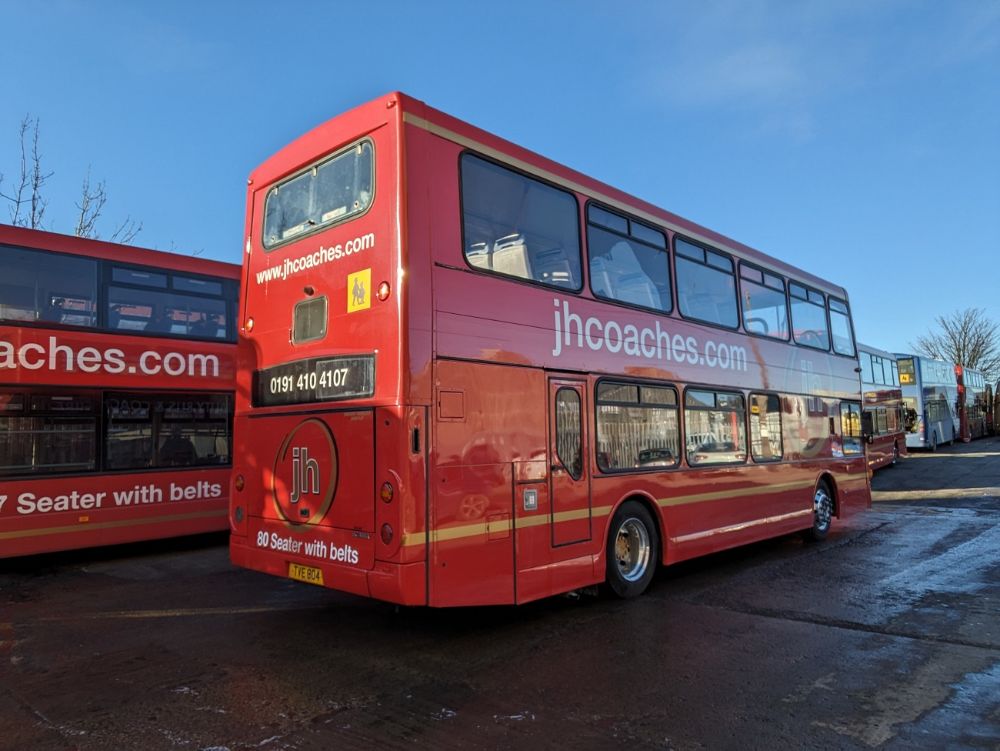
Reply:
x=526, y=522
x=442, y=534
x=87, y=526
x=466, y=530
x=503, y=156
x=481, y=528
x=719, y=495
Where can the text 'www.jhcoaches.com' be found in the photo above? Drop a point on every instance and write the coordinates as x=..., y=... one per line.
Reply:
x=324, y=255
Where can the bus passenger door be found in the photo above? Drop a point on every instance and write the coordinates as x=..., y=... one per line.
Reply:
x=569, y=489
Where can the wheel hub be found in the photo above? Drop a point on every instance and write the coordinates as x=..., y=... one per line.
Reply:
x=823, y=509
x=632, y=549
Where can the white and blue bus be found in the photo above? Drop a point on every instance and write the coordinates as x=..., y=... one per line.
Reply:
x=930, y=398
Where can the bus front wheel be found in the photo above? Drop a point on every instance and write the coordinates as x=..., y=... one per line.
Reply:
x=631, y=550
x=933, y=442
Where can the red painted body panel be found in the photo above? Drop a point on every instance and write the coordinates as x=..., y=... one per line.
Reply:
x=94, y=508
x=467, y=367
x=60, y=513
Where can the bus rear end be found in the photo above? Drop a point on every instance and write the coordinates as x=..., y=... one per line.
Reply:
x=323, y=442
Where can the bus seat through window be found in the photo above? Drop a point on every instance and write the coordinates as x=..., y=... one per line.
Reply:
x=627, y=280
x=510, y=256
x=478, y=255
x=17, y=303
x=552, y=266
x=639, y=290
x=600, y=276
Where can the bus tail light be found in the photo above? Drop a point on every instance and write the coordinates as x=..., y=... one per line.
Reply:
x=383, y=291
x=240, y=483
x=387, y=533
x=386, y=492
x=249, y=325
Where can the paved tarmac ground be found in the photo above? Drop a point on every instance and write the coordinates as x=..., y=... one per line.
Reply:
x=885, y=636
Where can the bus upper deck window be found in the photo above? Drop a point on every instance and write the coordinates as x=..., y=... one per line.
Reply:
x=628, y=260
x=841, y=329
x=809, y=322
x=517, y=226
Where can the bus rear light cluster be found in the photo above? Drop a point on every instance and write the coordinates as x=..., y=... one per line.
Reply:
x=387, y=492
x=386, y=533
x=238, y=514
x=383, y=291
x=240, y=483
x=249, y=324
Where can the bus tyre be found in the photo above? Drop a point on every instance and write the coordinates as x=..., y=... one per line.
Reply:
x=822, y=513
x=895, y=455
x=632, y=550
x=933, y=442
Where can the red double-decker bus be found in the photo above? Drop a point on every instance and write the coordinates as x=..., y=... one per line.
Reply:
x=991, y=409
x=117, y=369
x=884, y=419
x=974, y=403
x=471, y=375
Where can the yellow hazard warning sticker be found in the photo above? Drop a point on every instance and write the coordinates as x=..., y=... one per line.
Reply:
x=359, y=290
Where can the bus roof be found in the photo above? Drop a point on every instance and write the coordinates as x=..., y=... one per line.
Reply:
x=330, y=135
x=876, y=351
x=109, y=251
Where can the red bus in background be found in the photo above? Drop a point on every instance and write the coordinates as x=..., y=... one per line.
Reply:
x=470, y=375
x=117, y=368
x=974, y=405
x=991, y=409
x=885, y=431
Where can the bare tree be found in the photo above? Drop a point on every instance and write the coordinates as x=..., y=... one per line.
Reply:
x=27, y=204
x=967, y=338
x=92, y=200
x=126, y=231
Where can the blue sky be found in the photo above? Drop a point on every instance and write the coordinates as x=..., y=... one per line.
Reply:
x=857, y=140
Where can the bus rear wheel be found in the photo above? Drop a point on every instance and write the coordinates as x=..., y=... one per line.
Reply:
x=822, y=513
x=895, y=455
x=933, y=442
x=632, y=550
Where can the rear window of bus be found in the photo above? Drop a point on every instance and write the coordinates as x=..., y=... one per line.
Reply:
x=330, y=191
